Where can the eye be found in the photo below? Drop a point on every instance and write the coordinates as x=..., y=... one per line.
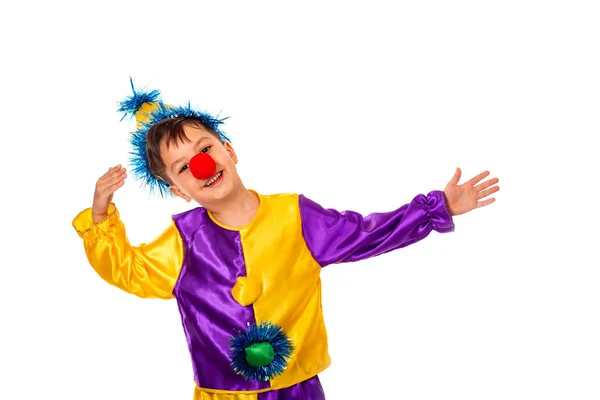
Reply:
x=205, y=149
x=183, y=168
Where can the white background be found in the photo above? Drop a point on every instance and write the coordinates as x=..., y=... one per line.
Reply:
x=358, y=105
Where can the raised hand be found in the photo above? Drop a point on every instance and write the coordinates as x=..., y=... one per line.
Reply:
x=470, y=195
x=106, y=186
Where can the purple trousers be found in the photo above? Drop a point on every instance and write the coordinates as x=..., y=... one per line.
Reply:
x=310, y=389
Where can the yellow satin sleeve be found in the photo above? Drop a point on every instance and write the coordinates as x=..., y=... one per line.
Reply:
x=149, y=270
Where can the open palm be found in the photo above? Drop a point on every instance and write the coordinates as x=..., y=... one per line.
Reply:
x=470, y=195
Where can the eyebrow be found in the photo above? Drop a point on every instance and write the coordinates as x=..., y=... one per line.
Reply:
x=180, y=159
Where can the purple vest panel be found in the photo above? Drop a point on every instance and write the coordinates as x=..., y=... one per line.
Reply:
x=213, y=260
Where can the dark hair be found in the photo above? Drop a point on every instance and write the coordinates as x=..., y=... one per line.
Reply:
x=170, y=130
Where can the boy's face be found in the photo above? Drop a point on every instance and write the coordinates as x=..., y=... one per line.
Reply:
x=177, y=156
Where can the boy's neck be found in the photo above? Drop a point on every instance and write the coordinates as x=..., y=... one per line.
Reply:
x=239, y=210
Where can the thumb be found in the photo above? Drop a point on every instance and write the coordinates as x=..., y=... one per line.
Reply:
x=456, y=177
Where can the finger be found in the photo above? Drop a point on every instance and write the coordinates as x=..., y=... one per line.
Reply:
x=485, y=202
x=477, y=178
x=486, y=184
x=456, y=177
x=107, y=191
x=112, y=170
x=112, y=173
x=109, y=182
x=487, y=192
x=113, y=188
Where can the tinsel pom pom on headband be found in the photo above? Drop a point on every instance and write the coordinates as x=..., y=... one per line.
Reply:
x=149, y=109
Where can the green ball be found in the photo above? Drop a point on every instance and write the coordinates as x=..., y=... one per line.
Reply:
x=260, y=354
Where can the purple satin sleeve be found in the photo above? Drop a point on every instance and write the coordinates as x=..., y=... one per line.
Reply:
x=337, y=237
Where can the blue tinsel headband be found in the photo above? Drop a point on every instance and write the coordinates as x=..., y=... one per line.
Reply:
x=149, y=109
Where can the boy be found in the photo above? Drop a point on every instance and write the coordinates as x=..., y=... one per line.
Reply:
x=244, y=267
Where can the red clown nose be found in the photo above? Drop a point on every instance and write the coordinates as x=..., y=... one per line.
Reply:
x=202, y=166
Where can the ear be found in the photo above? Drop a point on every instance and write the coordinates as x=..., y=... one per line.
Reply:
x=230, y=151
x=179, y=193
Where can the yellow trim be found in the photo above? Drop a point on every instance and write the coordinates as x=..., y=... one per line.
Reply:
x=224, y=396
x=200, y=390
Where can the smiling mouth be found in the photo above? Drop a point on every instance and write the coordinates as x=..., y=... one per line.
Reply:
x=214, y=179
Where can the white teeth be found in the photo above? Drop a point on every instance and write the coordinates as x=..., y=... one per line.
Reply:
x=217, y=176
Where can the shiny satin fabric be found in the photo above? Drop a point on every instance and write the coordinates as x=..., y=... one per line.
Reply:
x=225, y=278
x=337, y=237
x=232, y=277
x=210, y=315
x=148, y=270
x=310, y=389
